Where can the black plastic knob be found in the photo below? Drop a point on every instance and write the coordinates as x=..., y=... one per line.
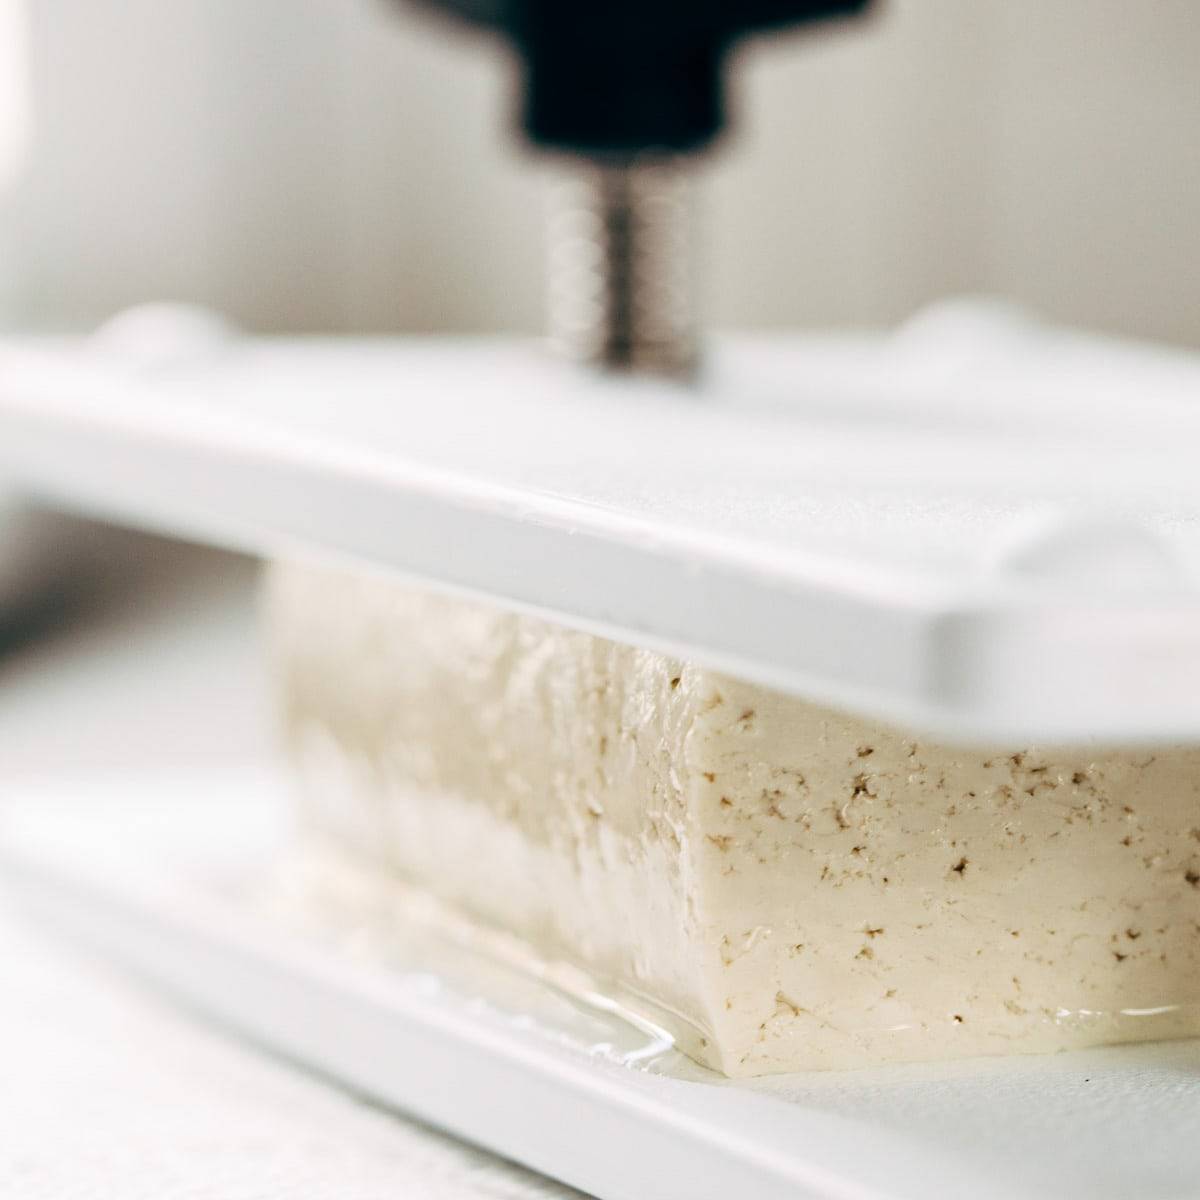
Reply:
x=625, y=77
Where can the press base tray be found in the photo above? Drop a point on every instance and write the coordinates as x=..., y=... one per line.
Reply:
x=175, y=876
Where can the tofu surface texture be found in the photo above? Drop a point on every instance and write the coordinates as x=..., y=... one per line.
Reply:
x=781, y=886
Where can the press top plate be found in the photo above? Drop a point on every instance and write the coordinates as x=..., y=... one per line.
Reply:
x=977, y=526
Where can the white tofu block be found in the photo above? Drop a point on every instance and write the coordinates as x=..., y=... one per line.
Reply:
x=783, y=887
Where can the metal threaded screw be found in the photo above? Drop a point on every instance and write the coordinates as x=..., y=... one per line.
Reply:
x=619, y=267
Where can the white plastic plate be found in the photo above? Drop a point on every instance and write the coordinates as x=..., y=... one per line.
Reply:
x=976, y=526
x=167, y=873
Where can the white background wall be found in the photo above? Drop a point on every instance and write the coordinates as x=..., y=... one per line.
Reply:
x=342, y=164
